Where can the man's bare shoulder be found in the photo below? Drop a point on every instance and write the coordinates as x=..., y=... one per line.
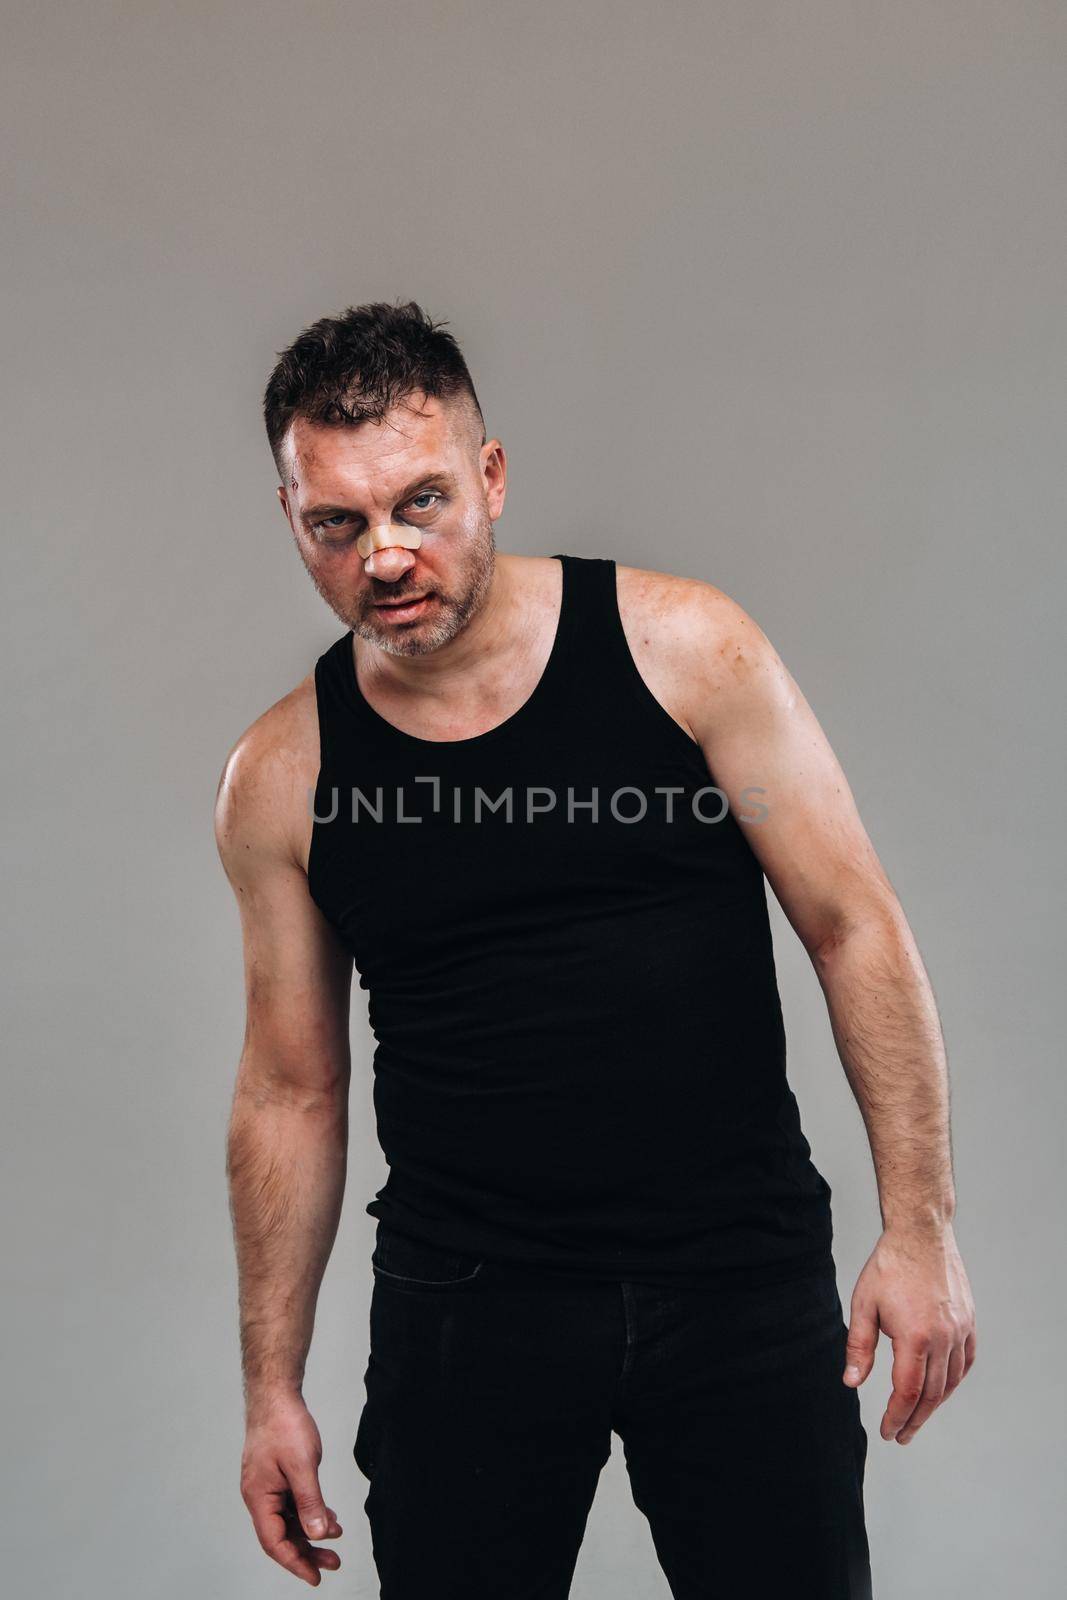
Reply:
x=678, y=610
x=690, y=640
x=261, y=810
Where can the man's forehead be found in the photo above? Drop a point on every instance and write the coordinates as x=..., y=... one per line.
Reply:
x=399, y=444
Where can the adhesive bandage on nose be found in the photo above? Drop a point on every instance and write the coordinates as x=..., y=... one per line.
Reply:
x=385, y=536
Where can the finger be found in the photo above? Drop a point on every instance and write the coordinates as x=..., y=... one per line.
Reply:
x=272, y=1530
x=969, y=1347
x=296, y=1558
x=328, y=1559
x=335, y=1530
x=325, y=1558
x=955, y=1368
x=307, y=1498
x=909, y=1376
x=861, y=1343
x=321, y=1558
x=310, y=1554
x=300, y=1539
x=932, y=1395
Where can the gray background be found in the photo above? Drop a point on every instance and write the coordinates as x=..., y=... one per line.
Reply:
x=766, y=293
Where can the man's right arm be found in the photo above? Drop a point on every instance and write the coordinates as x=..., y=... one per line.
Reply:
x=288, y=1134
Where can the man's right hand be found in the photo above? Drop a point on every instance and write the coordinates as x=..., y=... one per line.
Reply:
x=280, y=1486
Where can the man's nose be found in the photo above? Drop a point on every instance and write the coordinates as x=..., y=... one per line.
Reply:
x=386, y=550
x=389, y=564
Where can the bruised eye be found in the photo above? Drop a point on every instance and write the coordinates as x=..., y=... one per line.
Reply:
x=331, y=523
x=337, y=519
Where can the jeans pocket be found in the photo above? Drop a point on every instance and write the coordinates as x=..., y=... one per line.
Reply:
x=403, y=1262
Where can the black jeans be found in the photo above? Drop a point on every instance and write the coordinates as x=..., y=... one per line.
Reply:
x=492, y=1398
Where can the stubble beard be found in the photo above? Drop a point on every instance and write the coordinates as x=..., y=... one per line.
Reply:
x=451, y=612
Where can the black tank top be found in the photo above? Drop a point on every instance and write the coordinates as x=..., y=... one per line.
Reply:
x=580, y=1060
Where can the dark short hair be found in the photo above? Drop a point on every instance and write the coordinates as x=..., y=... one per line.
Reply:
x=356, y=367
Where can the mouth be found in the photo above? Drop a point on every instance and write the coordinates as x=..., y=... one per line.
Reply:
x=406, y=610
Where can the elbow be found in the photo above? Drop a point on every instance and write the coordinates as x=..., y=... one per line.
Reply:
x=880, y=926
x=306, y=1086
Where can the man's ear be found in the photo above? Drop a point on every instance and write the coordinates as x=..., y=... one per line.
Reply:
x=284, y=499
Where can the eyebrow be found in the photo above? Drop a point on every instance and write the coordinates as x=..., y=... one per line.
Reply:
x=327, y=509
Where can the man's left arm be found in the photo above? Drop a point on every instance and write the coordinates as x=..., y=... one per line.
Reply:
x=756, y=730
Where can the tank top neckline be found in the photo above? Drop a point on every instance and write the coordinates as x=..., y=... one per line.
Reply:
x=537, y=695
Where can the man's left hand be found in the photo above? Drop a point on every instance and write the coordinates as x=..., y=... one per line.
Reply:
x=914, y=1288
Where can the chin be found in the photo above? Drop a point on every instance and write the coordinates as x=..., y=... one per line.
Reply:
x=392, y=646
x=415, y=640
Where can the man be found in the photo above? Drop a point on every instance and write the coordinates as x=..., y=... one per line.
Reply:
x=547, y=792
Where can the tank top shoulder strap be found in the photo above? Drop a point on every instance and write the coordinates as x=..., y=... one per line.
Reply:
x=588, y=587
x=602, y=657
x=594, y=605
x=333, y=698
